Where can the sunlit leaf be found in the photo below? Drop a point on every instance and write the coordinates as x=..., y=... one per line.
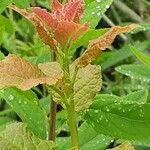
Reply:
x=16, y=136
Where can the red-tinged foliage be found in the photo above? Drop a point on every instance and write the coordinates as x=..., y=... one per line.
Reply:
x=59, y=28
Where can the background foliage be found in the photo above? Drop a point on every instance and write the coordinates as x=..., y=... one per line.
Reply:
x=121, y=111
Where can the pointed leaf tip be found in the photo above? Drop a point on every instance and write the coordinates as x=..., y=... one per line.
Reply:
x=96, y=46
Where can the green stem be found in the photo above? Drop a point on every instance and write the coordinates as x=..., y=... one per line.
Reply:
x=73, y=126
x=72, y=120
x=52, y=115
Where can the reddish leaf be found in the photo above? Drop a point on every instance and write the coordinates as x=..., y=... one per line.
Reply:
x=96, y=47
x=15, y=71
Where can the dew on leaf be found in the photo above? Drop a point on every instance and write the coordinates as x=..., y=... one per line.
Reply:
x=98, y=14
x=11, y=97
x=96, y=111
x=25, y=102
x=107, y=6
x=93, y=13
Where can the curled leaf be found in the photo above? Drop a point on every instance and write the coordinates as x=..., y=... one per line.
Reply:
x=15, y=71
x=43, y=32
x=96, y=46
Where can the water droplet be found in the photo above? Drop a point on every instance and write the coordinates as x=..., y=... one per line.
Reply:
x=2, y=91
x=107, y=6
x=98, y=14
x=98, y=1
x=25, y=102
x=93, y=13
x=112, y=141
x=96, y=111
x=11, y=97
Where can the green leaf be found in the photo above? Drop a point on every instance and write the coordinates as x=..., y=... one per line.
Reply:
x=143, y=58
x=4, y=4
x=17, y=137
x=94, y=11
x=45, y=103
x=22, y=3
x=88, y=83
x=90, y=139
x=138, y=96
x=115, y=117
x=6, y=24
x=26, y=105
x=116, y=56
x=139, y=72
x=85, y=38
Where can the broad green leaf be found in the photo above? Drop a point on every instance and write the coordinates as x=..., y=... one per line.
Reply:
x=124, y=146
x=85, y=38
x=139, y=72
x=17, y=137
x=143, y=58
x=26, y=105
x=138, y=96
x=112, y=116
x=94, y=11
x=88, y=83
x=6, y=24
x=22, y=3
x=3, y=4
x=90, y=139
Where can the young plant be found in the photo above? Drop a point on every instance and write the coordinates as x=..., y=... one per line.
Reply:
x=71, y=84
